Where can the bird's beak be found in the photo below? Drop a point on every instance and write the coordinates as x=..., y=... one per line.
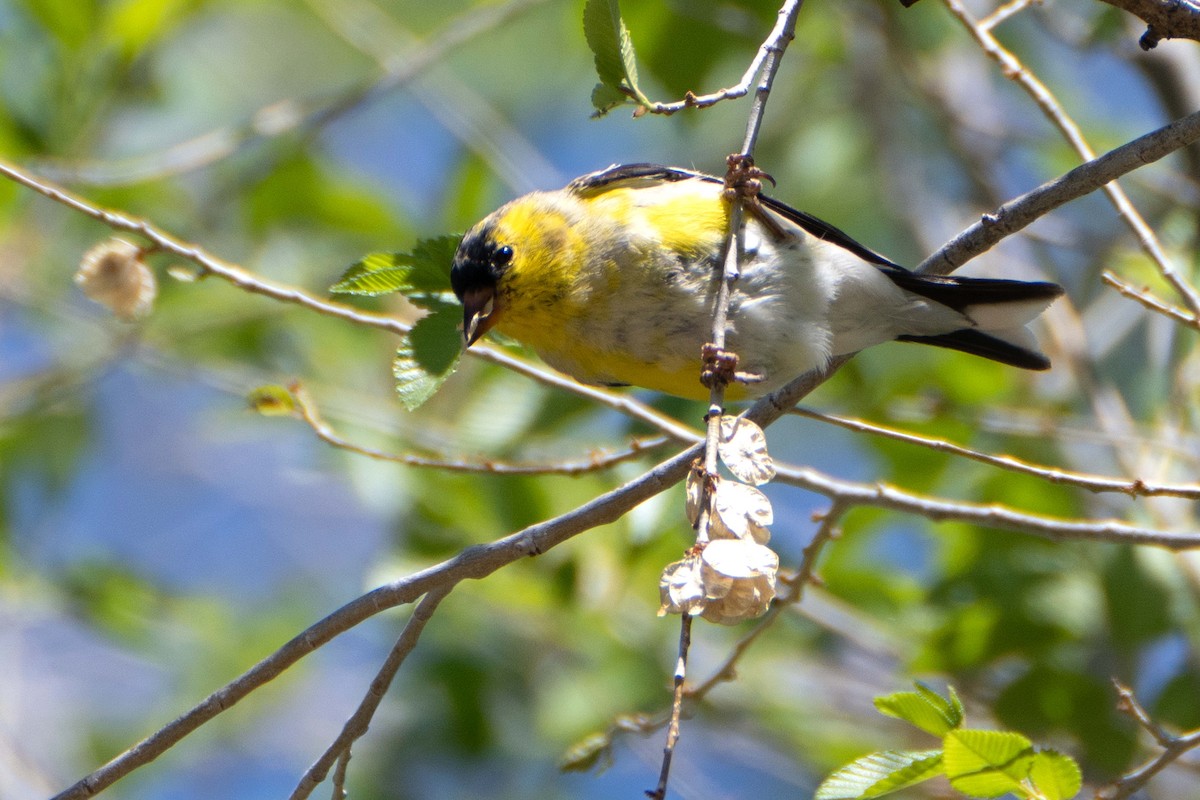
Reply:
x=479, y=312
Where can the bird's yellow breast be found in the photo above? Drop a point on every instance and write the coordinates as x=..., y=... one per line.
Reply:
x=614, y=286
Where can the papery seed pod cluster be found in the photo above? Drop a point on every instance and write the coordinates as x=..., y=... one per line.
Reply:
x=731, y=576
x=113, y=274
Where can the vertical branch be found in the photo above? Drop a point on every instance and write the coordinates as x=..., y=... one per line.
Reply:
x=718, y=367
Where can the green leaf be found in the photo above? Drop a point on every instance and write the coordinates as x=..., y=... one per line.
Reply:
x=272, y=401
x=427, y=356
x=923, y=708
x=987, y=763
x=1056, y=776
x=423, y=275
x=878, y=774
x=612, y=47
x=587, y=753
x=605, y=98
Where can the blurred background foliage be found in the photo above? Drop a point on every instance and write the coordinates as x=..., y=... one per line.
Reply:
x=157, y=538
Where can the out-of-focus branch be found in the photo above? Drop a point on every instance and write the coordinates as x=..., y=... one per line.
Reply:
x=1151, y=302
x=595, y=462
x=1084, y=179
x=357, y=724
x=1016, y=71
x=1172, y=748
x=287, y=116
x=1135, y=487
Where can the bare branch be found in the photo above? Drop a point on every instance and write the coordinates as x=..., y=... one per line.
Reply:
x=472, y=563
x=1005, y=11
x=1172, y=748
x=1165, y=19
x=881, y=495
x=1084, y=179
x=1151, y=302
x=360, y=720
x=1093, y=483
x=1015, y=70
x=241, y=278
x=595, y=462
x=775, y=43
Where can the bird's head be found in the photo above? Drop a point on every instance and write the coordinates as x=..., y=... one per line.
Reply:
x=520, y=264
x=478, y=268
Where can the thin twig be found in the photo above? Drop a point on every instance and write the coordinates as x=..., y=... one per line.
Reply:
x=1093, y=483
x=360, y=720
x=242, y=279
x=286, y=116
x=1020, y=212
x=785, y=25
x=805, y=574
x=717, y=376
x=881, y=495
x=1173, y=747
x=595, y=462
x=471, y=563
x=1151, y=302
x=1045, y=100
x=664, y=773
x=1005, y=11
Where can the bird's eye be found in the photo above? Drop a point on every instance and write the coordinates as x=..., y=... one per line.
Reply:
x=503, y=255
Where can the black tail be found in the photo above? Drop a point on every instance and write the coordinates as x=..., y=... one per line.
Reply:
x=999, y=308
x=978, y=343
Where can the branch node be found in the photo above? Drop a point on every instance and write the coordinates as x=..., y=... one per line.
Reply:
x=1150, y=38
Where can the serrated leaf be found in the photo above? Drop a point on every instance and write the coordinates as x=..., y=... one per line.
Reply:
x=612, y=48
x=427, y=356
x=987, y=763
x=423, y=275
x=605, y=98
x=1055, y=775
x=743, y=449
x=924, y=708
x=587, y=753
x=878, y=774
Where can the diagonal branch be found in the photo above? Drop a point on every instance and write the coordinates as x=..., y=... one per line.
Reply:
x=1053, y=110
x=1165, y=19
x=1135, y=487
x=1018, y=213
x=881, y=495
x=359, y=721
x=472, y=563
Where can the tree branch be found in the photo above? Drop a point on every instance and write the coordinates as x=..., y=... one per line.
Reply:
x=1016, y=71
x=360, y=720
x=1165, y=19
x=474, y=563
x=1084, y=179
x=1172, y=748
x=1135, y=487
x=881, y=495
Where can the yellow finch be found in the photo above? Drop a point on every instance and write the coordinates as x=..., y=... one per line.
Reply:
x=612, y=281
